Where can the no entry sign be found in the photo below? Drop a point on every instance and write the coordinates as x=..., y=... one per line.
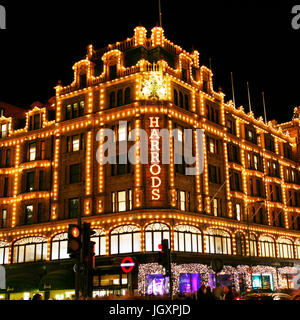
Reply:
x=127, y=264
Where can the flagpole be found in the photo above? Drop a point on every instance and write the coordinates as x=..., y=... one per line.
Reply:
x=159, y=8
x=263, y=96
x=232, y=88
x=249, y=97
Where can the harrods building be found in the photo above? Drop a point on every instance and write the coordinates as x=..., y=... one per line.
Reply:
x=242, y=211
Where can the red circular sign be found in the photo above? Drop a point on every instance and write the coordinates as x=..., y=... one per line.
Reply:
x=127, y=264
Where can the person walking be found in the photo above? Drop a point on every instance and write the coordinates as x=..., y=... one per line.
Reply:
x=229, y=294
x=208, y=294
x=201, y=293
x=218, y=292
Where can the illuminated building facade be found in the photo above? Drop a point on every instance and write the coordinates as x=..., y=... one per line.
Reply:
x=244, y=209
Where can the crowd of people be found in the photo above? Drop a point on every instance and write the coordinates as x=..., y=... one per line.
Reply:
x=218, y=293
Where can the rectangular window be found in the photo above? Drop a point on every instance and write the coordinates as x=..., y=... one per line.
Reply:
x=212, y=146
x=81, y=108
x=30, y=181
x=3, y=130
x=29, y=214
x=4, y=218
x=255, y=162
x=215, y=207
x=238, y=211
x=76, y=143
x=130, y=199
x=74, y=173
x=7, y=158
x=41, y=180
x=40, y=213
x=121, y=201
x=182, y=201
x=5, y=187
x=36, y=122
x=75, y=110
x=32, y=151
x=73, y=208
x=68, y=112
x=43, y=154
x=113, y=201
x=122, y=132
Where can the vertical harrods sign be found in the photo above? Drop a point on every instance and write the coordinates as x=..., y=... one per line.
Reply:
x=155, y=172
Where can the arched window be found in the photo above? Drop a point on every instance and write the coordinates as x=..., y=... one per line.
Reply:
x=30, y=249
x=218, y=241
x=240, y=244
x=154, y=234
x=285, y=248
x=187, y=238
x=99, y=239
x=120, y=97
x=127, y=96
x=175, y=97
x=297, y=247
x=125, y=239
x=112, y=99
x=267, y=246
x=253, y=245
x=4, y=247
x=180, y=99
x=59, y=247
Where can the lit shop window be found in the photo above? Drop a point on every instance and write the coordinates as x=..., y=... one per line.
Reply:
x=4, y=248
x=285, y=248
x=125, y=239
x=99, y=239
x=59, y=246
x=30, y=249
x=187, y=238
x=154, y=234
x=267, y=246
x=218, y=241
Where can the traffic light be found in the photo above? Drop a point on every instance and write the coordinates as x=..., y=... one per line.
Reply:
x=164, y=256
x=74, y=240
x=88, y=245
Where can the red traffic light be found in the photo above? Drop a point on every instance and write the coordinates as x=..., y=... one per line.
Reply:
x=75, y=232
x=160, y=247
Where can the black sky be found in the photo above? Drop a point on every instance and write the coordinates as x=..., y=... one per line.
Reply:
x=252, y=39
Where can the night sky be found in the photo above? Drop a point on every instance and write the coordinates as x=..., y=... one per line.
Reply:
x=253, y=39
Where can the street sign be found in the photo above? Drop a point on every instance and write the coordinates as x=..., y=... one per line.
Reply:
x=2, y=278
x=127, y=264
